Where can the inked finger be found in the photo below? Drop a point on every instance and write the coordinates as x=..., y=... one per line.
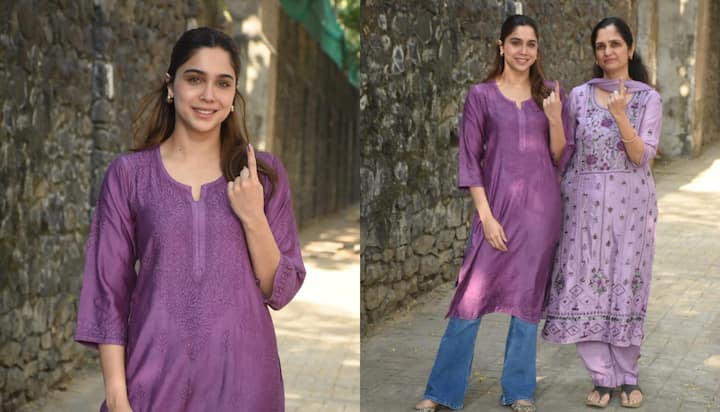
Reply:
x=252, y=162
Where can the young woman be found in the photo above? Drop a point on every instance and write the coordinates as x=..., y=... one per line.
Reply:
x=211, y=224
x=601, y=278
x=512, y=132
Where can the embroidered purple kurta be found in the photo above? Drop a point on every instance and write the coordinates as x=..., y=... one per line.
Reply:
x=601, y=276
x=506, y=151
x=197, y=332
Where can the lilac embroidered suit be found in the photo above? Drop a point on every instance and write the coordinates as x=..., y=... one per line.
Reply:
x=197, y=332
x=506, y=150
x=601, y=278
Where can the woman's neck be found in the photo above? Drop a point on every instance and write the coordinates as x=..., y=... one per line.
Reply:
x=512, y=78
x=617, y=75
x=189, y=145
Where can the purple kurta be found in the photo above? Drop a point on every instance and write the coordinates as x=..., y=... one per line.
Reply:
x=197, y=332
x=506, y=150
x=601, y=278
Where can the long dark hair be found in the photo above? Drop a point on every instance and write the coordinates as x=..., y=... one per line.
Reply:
x=155, y=120
x=538, y=88
x=636, y=67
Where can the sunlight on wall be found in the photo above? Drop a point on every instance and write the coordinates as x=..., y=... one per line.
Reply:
x=258, y=52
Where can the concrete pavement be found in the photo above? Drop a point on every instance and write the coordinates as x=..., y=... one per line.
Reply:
x=318, y=332
x=680, y=360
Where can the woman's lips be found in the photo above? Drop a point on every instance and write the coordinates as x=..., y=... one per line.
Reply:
x=204, y=113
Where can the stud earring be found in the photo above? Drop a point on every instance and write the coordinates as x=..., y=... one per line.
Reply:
x=232, y=108
x=169, y=99
x=501, y=53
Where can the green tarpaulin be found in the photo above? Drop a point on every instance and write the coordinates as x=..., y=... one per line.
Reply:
x=318, y=18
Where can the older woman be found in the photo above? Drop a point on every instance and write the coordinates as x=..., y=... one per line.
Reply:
x=601, y=278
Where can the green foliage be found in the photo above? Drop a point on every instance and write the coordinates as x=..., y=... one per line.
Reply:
x=348, y=13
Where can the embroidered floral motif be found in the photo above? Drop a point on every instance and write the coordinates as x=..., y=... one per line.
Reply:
x=600, y=143
x=604, y=234
x=599, y=282
x=637, y=282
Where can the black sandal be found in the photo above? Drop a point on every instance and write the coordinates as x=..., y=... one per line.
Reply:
x=602, y=391
x=627, y=390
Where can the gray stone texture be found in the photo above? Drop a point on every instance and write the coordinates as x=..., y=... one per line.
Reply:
x=71, y=76
x=315, y=124
x=418, y=60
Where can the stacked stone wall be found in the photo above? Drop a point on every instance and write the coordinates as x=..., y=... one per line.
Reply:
x=71, y=73
x=418, y=60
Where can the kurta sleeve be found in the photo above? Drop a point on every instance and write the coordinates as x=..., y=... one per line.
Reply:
x=569, y=116
x=471, y=142
x=109, y=274
x=290, y=272
x=650, y=125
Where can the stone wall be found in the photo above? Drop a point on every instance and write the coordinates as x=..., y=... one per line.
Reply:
x=315, y=124
x=71, y=76
x=417, y=62
x=684, y=63
x=706, y=124
x=71, y=73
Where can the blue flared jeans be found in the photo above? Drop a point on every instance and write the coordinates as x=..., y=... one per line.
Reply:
x=450, y=375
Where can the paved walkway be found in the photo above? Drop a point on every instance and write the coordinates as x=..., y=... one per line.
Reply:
x=680, y=362
x=318, y=332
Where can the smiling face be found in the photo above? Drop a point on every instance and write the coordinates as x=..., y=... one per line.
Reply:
x=203, y=90
x=612, y=52
x=520, y=49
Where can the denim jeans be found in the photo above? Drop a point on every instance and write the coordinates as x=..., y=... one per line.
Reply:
x=450, y=375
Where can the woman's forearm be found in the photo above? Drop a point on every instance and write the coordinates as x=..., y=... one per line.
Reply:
x=481, y=203
x=557, y=139
x=634, y=146
x=112, y=360
x=264, y=252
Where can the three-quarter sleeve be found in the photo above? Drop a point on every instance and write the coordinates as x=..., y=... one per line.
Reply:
x=569, y=111
x=290, y=272
x=471, y=142
x=109, y=274
x=650, y=125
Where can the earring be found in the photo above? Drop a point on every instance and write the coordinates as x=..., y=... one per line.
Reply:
x=169, y=99
x=232, y=108
x=501, y=53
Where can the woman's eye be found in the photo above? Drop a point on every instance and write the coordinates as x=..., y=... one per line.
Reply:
x=194, y=80
x=224, y=84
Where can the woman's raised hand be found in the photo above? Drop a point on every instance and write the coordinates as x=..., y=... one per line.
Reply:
x=246, y=192
x=617, y=101
x=552, y=106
